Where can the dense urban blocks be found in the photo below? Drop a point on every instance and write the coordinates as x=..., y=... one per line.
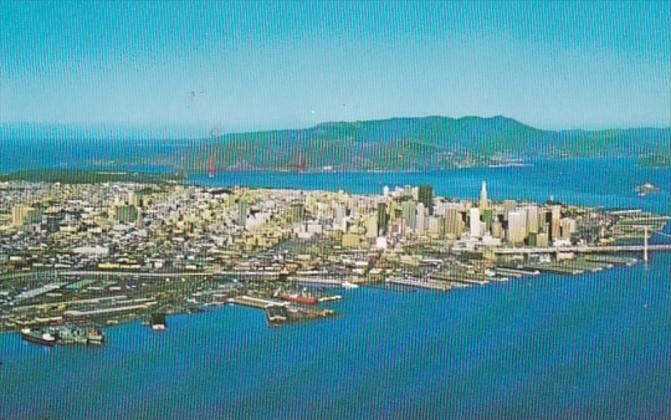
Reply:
x=76, y=257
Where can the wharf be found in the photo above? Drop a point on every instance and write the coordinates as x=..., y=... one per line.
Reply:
x=424, y=284
x=256, y=302
x=516, y=272
x=458, y=277
x=612, y=259
x=315, y=280
x=582, y=264
x=554, y=268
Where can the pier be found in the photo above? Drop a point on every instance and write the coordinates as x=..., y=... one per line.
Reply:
x=423, y=284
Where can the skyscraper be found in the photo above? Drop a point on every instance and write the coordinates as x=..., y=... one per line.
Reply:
x=381, y=219
x=420, y=219
x=425, y=197
x=409, y=214
x=483, y=197
x=517, y=229
x=555, y=226
x=474, y=222
x=453, y=222
x=533, y=219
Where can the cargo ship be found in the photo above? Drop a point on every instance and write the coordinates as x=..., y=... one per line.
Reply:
x=297, y=297
x=38, y=337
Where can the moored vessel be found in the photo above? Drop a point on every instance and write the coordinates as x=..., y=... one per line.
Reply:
x=158, y=322
x=38, y=337
x=95, y=336
x=298, y=298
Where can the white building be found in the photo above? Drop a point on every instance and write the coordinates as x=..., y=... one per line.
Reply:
x=474, y=222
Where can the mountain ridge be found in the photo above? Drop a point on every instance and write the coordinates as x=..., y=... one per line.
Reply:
x=419, y=143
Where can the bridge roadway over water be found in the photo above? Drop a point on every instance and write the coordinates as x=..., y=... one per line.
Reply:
x=580, y=249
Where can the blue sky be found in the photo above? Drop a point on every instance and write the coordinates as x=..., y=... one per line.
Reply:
x=253, y=65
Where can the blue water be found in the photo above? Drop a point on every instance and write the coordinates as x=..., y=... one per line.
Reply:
x=596, y=345
x=607, y=182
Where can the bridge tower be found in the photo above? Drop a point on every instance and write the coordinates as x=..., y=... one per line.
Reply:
x=645, y=243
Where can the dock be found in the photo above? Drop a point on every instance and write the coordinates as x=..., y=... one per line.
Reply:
x=423, y=284
x=256, y=302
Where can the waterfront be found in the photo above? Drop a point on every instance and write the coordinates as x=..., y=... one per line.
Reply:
x=597, y=344
x=607, y=182
x=557, y=346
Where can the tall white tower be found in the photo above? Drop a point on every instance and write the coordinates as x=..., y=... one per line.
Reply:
x=483, y=196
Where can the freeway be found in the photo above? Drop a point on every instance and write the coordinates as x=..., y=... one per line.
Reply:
x=134, y=273
x=580, y=249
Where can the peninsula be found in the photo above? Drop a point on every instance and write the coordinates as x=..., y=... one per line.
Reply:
x=82, y=256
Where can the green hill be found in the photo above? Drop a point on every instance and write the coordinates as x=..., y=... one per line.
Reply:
x=413, y=144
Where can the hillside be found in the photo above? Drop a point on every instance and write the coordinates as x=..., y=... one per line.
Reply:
x=413, y=144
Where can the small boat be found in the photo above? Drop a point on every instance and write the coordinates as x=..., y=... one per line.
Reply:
x=95, y=337
x=646, y=189
x=158, y=322
x=348, y=285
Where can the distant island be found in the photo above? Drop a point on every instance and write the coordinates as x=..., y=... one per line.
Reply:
x=422, y=143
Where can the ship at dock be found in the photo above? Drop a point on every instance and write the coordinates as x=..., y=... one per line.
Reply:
x=63, y=335
x=38, y=337
x=95, y=336
x=157, y=322
x=303, y=297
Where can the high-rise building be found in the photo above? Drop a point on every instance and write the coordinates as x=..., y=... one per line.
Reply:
x=484, y=204
x=409, y=214
x=297, y=211
x=474, y=222
x=508, y=205
x=533, y=219
x=372, y=230
x=487, y=218
x=382, y=219
x=339, y=213
x=497, y=229
x=420, y=225
x=435, y=227
x=454, y=224
x=568, y=227
x=517, y=230
x=242, y=213
x=425, y=196
x=126, y=214
x=555, y=224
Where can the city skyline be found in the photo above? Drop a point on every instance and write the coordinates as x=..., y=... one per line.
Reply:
x=235, y=67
